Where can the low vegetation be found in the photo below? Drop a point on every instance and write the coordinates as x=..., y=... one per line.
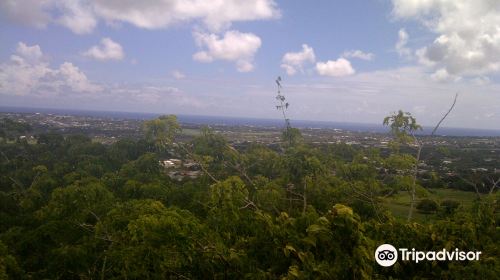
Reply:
x=71, y=208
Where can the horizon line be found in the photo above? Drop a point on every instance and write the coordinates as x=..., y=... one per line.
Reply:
x=2, y=107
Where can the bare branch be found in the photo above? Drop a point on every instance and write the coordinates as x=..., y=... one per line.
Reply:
x=472, y=185
x=494, y=184
x=249, y=203
x=445, y=115
x=420, y=147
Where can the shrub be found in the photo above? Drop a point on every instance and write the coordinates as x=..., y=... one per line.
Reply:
x=427, y=206
x=449, y=206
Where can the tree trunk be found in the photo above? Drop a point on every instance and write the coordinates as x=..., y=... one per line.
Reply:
x=304, y=198
x=414, y=183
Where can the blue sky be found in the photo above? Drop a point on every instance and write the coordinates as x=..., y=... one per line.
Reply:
x=353, y=61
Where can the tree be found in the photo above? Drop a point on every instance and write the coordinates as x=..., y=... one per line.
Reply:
x=10, y=129
x=290, y=135
x=150, y=241
x=449, y=206
x=427, y=206
x=9, y=268
x=162, y=130
x=226, y=201
x=404, y=126
x=302, y=168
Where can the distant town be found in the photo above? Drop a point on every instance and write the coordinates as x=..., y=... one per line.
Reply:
x=444, y=155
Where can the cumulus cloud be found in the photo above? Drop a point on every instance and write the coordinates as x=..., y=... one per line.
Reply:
x=81, y=16
x=36, y=15
x=369, y=96
x=72, y=77
x=294, y=61
x=234, y=46
x=28, y=73
x=335, y=68
x=78, y=16
x=358, y=54
x=401, y=47
x=442, y=75
x=178, y=75
x=30, y=54
x=467, y=32
x=214, y=14
x=106, y=50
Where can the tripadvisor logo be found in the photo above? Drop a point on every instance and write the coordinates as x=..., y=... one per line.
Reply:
x=387, y=255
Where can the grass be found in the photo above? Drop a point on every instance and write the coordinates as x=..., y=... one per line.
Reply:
x=399, y=204
x=191, y=132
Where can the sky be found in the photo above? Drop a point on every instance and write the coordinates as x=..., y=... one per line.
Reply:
x=341, y=61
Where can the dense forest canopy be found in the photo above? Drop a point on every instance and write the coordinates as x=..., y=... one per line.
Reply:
x=71, y=208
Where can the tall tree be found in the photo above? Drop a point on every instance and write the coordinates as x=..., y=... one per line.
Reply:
x=404, y=126
x=290, y=135
x=162, y=131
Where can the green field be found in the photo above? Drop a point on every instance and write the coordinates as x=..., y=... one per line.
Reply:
x=399, y=204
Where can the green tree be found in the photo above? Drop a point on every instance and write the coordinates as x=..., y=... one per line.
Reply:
x=9, y=268
x=404, y=126
x=150, y=241
x=162, y=130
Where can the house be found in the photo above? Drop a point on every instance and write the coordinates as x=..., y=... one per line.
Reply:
x=170, y=163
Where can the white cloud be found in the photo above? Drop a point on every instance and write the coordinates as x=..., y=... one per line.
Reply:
x=358, y=54
x=107, y=50
x=481, y=81
x=234, y=46
x=401, y=47
x=294, y=61
x=215, y=15
x=441, y=75
x=203, y=57
x=370, y=96
x=82, y=16
x=244, y=66
x=75, y=79
x=468, y=34
x=28, y=73
x=29, y=53
x=422, y=58
x=335, y=68
x=178, y=75
x=28, y=12
x=77, y=16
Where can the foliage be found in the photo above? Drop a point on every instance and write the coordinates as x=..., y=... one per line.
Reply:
x=427, y=205
x=403, y=125
x=162, y=130
x=74, y=209
x=291, y=136
x=10, y=130
x=449, y=206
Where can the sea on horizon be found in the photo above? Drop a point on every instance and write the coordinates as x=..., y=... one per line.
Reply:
x=235, y=121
